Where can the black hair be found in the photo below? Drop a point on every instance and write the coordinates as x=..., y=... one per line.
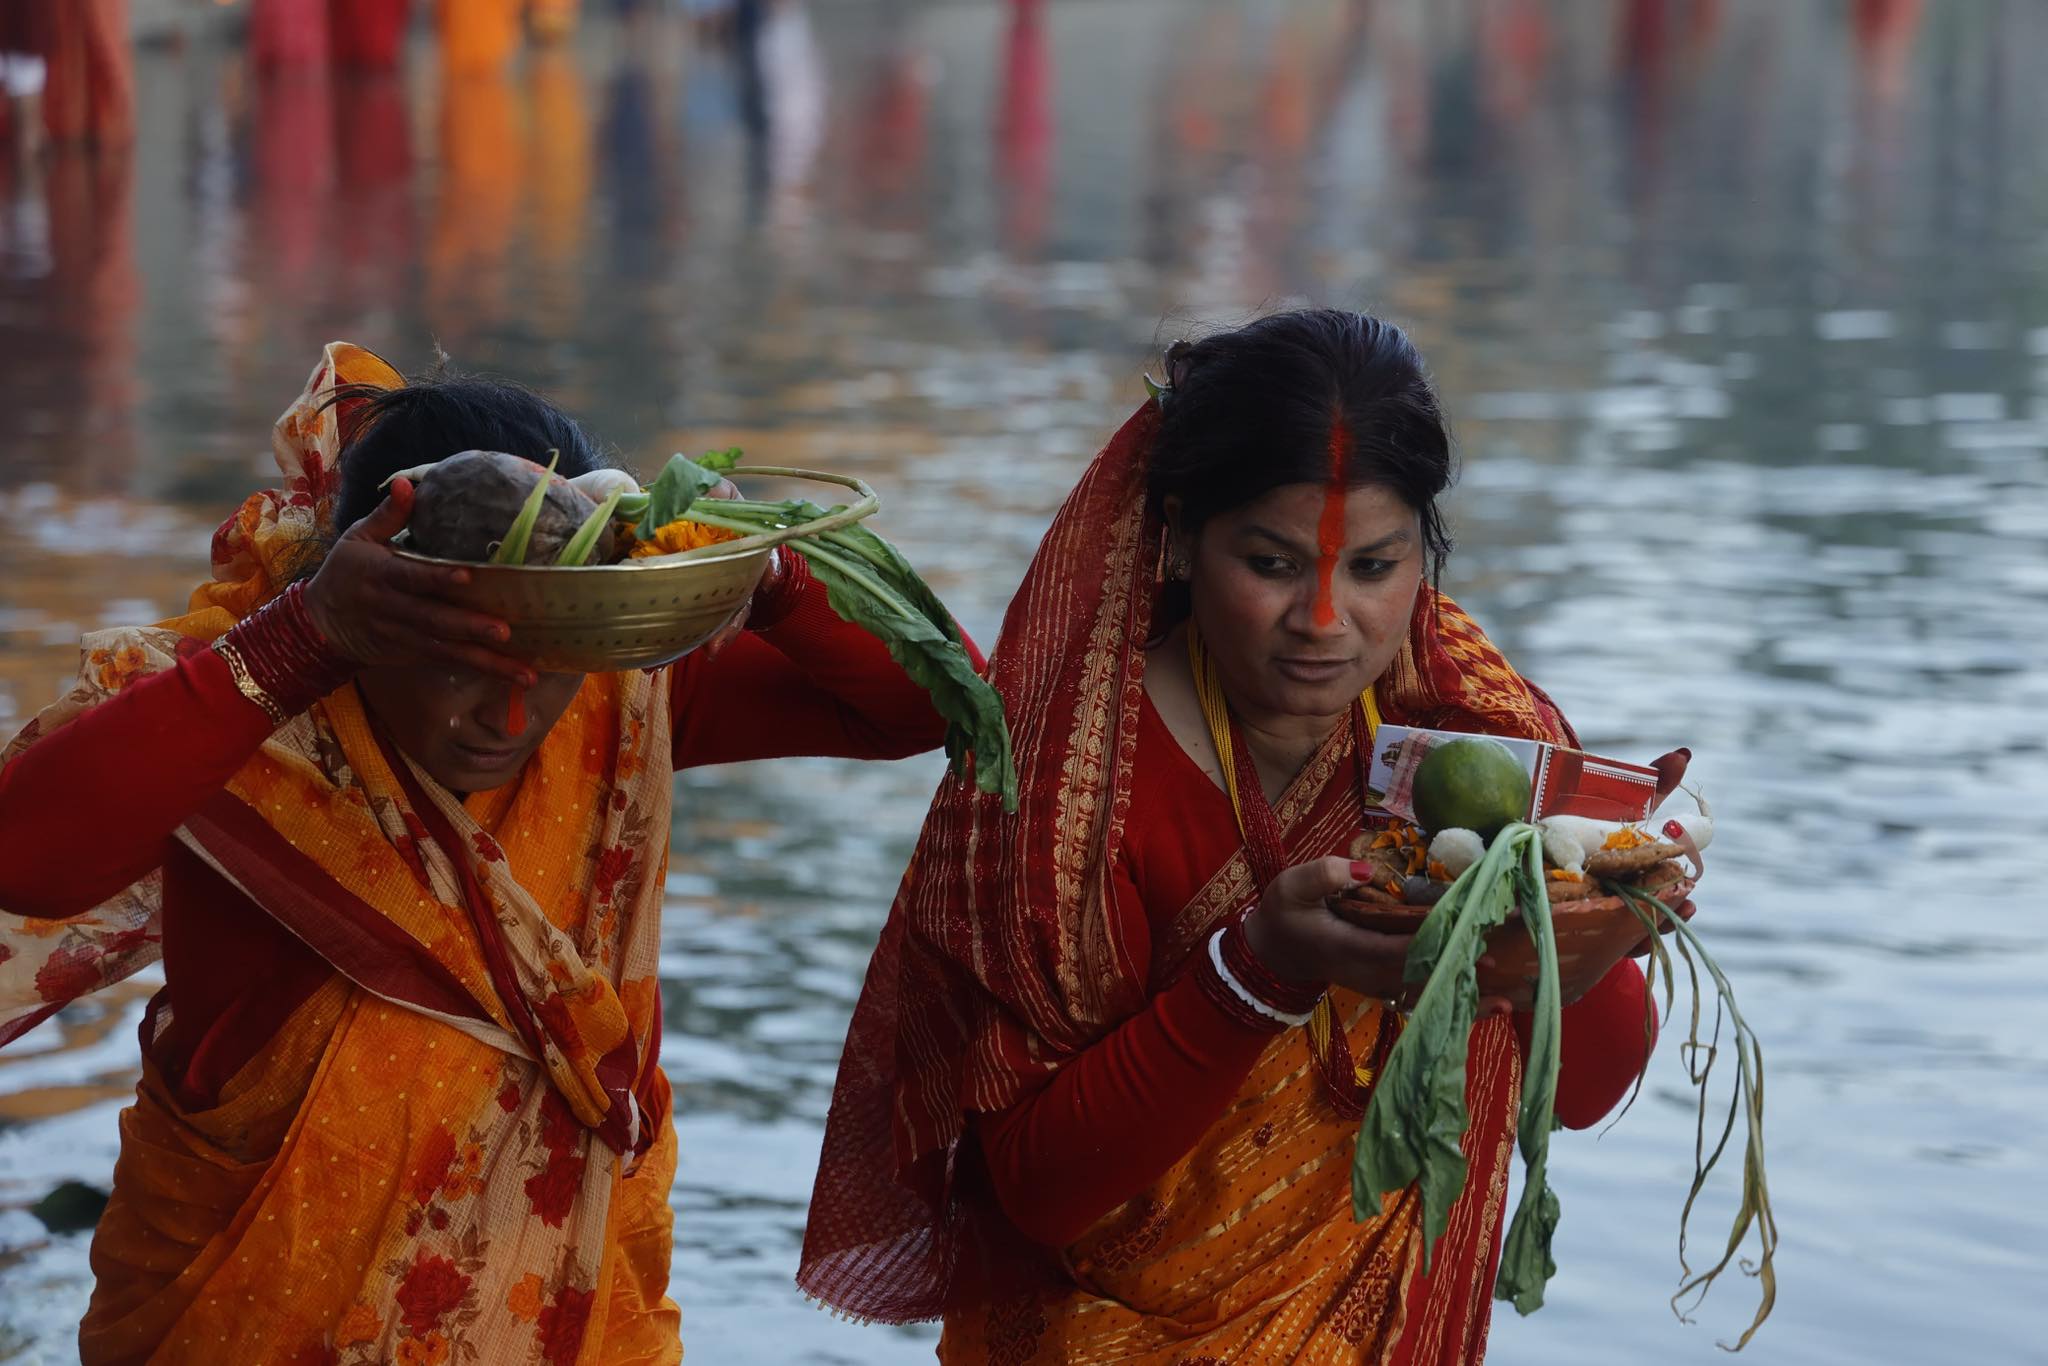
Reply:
x=431, y=417
x=1250, y=410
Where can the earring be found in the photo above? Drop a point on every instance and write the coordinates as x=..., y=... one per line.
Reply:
x=1181, y=568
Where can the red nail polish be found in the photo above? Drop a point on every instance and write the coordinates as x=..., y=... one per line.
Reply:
x=1362, y=869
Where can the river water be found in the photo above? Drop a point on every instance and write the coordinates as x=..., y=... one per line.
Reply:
x=1740, y=310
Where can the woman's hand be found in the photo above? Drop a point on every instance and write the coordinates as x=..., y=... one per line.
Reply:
x=378, y=609
x=1296, y=934
x=770, y=578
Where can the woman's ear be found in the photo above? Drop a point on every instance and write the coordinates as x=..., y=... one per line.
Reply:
x=1176, y=540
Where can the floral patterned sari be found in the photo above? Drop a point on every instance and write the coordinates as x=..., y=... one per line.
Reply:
x=458, y=1148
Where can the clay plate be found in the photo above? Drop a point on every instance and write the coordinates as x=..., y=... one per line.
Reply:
x=1598, y=929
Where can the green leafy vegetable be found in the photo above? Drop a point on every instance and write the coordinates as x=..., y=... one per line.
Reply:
x=679, y=485
x=1526, y=1265
x=1416, y=1115
x=585, y=540
x=512, y=550
x=870, y=584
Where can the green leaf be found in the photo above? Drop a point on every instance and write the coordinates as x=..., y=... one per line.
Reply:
x=1416, y=1117
x=580, y=545
x=512, y=550
x=931, y=654
x=720, y=462
x=681, y=482
x=1526, y=1264
x=870, y=584
x=896, y=570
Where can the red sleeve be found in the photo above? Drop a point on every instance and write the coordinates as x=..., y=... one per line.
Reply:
x=1602, y=1046
x=1118, y=1115
x=88, y=809
x=800, y=680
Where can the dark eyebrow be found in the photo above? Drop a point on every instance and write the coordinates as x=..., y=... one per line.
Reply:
x=1388, y=542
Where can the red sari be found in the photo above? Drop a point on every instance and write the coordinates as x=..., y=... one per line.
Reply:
x=1035, y=1064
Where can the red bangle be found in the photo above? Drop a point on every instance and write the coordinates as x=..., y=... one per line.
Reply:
x=1243, y=988
x=1288, y=997
x=280, y=660
x=1227, y=999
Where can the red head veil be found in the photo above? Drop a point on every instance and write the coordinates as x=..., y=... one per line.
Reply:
x=1000, y=959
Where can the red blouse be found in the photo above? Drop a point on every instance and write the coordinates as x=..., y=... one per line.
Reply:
x=1116, y=1117
x=92, y=807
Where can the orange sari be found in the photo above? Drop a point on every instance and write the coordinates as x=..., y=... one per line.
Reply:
x=459, y=1148
x=1002, y=959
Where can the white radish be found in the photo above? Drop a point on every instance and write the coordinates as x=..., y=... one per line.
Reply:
x=1563, y=850
x=1591, y=836
x=1457, y=849
x=598, y=484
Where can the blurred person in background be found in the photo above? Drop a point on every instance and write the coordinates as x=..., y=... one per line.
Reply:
x=74, y=58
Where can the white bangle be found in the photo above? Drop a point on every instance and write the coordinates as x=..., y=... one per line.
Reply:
x=1245, y=994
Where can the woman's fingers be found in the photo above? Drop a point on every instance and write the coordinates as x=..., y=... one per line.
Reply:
x=430, y=618
x=1313, y=883
x=389, y=517
x=418, y=580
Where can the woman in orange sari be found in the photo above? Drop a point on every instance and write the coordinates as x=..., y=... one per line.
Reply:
x=1112, y=1053
x=401, y=1095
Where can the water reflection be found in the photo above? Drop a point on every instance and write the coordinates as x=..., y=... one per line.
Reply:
x=1738, y=306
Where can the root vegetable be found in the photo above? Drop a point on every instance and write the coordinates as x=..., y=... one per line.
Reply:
x=1457, y=849
x=469, y=507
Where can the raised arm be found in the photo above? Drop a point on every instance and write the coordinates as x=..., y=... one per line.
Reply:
x=800, y=680
x=90, y=808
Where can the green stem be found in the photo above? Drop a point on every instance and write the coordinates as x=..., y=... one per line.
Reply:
x=1747, y=1100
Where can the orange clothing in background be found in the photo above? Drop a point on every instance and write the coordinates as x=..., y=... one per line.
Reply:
x=478, y=35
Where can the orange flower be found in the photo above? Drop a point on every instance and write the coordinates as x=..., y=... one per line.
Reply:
x=431, y=1350
x=524, y=1301
x=1628, y=837
x=678, y=536
x=359, y=1324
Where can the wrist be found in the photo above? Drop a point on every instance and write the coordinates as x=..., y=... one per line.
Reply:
x=313, y=600
x=281, y=660
x=1242, y=987
x=1265, y=939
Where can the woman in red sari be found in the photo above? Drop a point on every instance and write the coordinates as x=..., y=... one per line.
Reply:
x=401, y=1095
x=1112, y=1052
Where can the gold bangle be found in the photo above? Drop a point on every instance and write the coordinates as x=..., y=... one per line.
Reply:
x=247, y=685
